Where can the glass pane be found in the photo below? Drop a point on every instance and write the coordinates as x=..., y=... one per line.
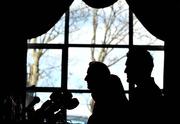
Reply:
x=81, y=113
x=119, y=67
x=158, y=70
x=54, y=35
x=77, y=67
x=99, y=26
x=79, y=59
x=43, y=96
x=157, y=73
x=44, y=67
x=142, y=36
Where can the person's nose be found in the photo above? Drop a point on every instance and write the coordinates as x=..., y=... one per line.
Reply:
x=85, y=78
x=125, y=70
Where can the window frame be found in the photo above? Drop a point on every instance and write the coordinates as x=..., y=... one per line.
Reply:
x=64, y=47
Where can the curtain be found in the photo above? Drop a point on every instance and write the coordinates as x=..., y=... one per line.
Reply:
x=159, y=17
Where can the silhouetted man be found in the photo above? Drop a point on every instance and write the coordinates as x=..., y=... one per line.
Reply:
x=108, y=93
x=146, y=97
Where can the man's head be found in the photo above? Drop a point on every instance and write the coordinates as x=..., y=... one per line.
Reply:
x=97, y=73
x=139, y=65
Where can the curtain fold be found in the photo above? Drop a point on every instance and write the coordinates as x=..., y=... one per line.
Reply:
x=159, y=17
x=40, y=17
x=33, y=18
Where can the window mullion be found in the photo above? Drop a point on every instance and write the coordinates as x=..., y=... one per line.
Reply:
x=64, y=73
x=65, y=53
x=131, y=86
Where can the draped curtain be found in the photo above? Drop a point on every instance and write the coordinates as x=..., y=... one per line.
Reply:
x=159, y=17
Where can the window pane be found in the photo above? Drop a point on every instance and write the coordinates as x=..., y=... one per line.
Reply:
x=81, y=113
x=79, y=59
x=44, y=67
x=158, y=70
x=99, y=26
x=119, y=67
x=157, y=73
x=43, y=96
x=142, y=36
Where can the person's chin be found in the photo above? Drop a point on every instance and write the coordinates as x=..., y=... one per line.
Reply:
x=89, y=88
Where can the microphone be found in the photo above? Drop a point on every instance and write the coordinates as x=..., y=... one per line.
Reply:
x=34, y=101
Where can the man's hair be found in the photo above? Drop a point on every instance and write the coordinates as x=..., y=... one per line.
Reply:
x=99, y=68
x=141, y=57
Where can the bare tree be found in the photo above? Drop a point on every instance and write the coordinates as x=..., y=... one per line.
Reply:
x=114, y=29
